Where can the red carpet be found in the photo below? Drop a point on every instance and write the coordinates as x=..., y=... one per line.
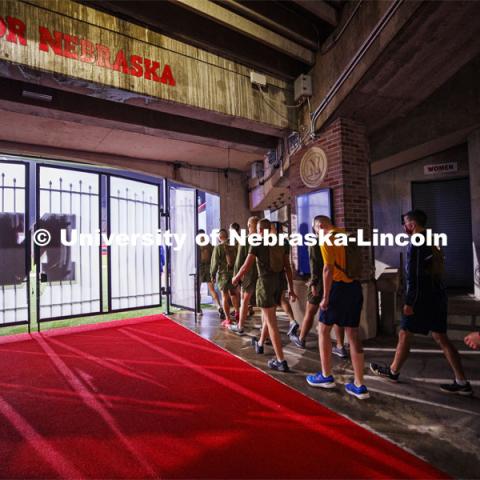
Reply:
x=148, y=398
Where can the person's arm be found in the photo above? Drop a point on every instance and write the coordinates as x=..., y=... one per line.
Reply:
x=472, y=340
x=328, y=255
x=214, y=264
x=313, y=265
x=327, y=285
x=412, y=273
x=247, y=265
x=316, y=268
x=288, y=272
x=238, y=260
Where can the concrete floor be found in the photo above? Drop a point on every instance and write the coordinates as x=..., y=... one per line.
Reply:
x=440, y=428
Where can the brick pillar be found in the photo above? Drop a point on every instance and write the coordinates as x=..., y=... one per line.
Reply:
x=355, y=189
x=348, y=176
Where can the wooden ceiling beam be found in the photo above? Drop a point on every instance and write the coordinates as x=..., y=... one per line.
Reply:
x=320, y=9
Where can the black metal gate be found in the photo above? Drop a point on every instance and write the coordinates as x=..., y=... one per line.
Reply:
x=134, y=269
x=68, y=217
x=65, y=217
x=69, y=281
x=14, y=244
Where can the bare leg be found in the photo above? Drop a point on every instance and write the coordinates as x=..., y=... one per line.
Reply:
x=270, y=316
x=244, y=309
x=264, y=331
x=339, y=336
x=287, y=308
x=213, y=293
x=325, y=347
x=402, y=351
x=356, y=354
x=226, y=305
x=234, y=298
x=310, y=312
x=451, y=354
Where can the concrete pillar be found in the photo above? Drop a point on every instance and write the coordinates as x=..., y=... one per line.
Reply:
x=233, y=199
x=231, y=188
x=474, y=167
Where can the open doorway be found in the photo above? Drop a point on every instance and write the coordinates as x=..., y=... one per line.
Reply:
x=208, y=209
x=447, y=205
x=189, y=211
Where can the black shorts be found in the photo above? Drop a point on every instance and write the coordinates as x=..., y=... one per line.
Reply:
x=429, y=315
x=344, y=305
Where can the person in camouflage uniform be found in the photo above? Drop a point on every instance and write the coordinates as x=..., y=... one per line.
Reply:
x=249, y=281
x=271, y=263
x=235, y=227
x=277, y=227
x=205, y=257
x=221, y=271
x=314, y=297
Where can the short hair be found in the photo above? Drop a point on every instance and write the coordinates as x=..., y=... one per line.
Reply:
x=264, y=224
x=222, y=233
x=323, y=219
x=253, y=220
x=235, y=226
x=201, y=231
x=278, y=226
x=418, y=216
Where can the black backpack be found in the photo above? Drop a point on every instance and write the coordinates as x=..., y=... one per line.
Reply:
x=353, y=260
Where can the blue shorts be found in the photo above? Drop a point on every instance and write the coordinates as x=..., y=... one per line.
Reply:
x=429, y=315
x=344, y=305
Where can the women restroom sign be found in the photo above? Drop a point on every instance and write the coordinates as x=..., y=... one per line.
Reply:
x=437, y=168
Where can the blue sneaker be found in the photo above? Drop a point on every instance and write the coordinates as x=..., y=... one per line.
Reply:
x=340, y=352
x=281, y=366
x=257, y=346
x=293, y=329
x=318, y=380
x=359, y=392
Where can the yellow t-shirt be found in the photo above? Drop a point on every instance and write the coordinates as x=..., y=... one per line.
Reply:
x=335, y=254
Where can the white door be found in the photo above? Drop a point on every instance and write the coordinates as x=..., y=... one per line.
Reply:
x=183, y=221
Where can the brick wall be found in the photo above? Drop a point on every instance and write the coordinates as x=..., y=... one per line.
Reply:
x=346, y=147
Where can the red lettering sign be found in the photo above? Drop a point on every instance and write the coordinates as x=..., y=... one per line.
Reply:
x=151, y=70
x=16, y=30
x=83, y=50
x=167, y=76
x=3, y=27
x=103, y=56
x=46, y=41
x=136, y=68
x=86, y=51
x=121, y=63
x=70, y=46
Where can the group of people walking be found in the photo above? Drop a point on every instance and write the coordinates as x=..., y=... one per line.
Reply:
x=263, y=272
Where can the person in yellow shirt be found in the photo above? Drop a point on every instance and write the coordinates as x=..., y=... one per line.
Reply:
x=314, y=298
x=341, y=305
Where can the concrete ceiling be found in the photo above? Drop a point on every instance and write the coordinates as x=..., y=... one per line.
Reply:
x=440, y=38
x=51, y=132
x=275, y=36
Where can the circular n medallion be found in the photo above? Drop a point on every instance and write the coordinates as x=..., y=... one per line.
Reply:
x=313, y=167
